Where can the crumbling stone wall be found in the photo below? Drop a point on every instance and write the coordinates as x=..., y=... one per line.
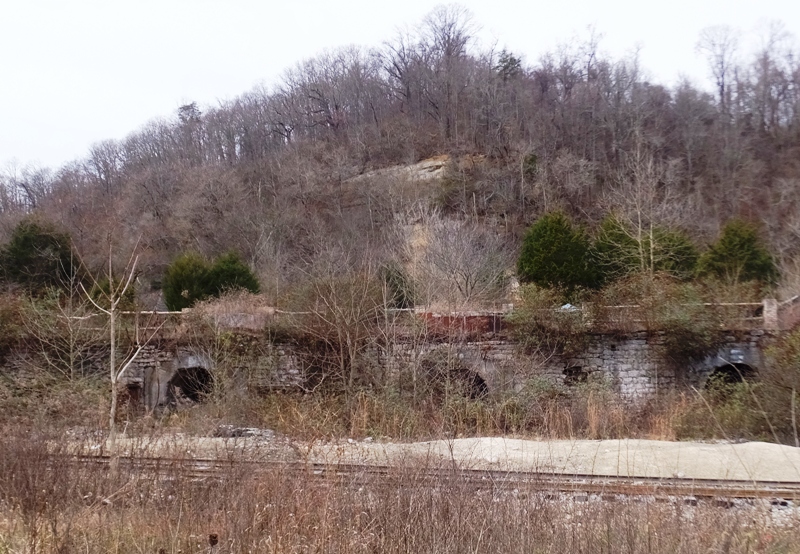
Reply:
x=635, y=365
x=257, y=365
x=638, y=365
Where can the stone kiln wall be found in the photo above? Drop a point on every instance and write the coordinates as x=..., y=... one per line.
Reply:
x=634, y=365
x=259, y=366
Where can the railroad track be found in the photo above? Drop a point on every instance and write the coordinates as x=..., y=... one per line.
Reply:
x=718, y=491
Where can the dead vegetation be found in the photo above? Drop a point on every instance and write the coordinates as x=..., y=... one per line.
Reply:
x=339, y=223
x=86, y=508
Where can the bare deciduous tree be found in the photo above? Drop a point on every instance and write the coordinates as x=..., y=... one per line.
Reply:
x=108, y=300
x=463, y=263
x=645, y=200
x=65, y=330
x=341, y=305
x=719, y=44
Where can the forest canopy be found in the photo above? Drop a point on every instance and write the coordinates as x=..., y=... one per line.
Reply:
x=300, y=178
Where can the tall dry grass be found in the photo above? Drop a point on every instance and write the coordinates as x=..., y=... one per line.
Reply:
x=586, y=412
x=48, y=505
x=539, y=410
x=592, y=413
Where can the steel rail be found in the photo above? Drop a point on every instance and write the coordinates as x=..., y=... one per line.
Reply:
x=367, y=474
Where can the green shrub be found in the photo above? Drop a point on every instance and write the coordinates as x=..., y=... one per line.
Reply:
x=676, y=254
x=190, y=279
x=229, y=273
x=399, y=286
x=739, y=256
x=662, y=304
x=615, y=250
x=186, y=281
x=619, y=251
x=691, y=328
x=555, y=254
x=39, y=257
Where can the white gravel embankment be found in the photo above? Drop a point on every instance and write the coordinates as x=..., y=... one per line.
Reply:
x=752, y=461
x=749, y=461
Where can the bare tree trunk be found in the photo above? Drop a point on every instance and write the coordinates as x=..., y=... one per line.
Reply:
x=116, y=293
x=112, y=413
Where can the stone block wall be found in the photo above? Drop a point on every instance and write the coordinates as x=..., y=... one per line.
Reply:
x=259, y=366
x=634, y=365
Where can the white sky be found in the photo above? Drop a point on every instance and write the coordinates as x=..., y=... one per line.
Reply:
x=74, y=72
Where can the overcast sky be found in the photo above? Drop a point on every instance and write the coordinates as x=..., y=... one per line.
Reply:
x=74, y=72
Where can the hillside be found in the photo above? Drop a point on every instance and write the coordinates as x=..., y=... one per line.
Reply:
x=316, y=170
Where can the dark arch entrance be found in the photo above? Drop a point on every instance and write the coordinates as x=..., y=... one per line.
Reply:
x=575, y=375
x=448, y=373
x=475, y=384
x=730, y=374
x=189, y=383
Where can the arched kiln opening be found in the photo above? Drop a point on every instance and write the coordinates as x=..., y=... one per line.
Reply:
x=730, y=374
x=575, y=375
x=475, y=384
x=189, y=383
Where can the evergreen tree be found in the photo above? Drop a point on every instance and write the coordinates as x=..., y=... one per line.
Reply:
x=103, y=290
x=615, y=250
x=619, y=252
x=676, y=253
x=185, y=281
x=398, y=285
x=228, y=273
x=39, y=257
x=190, y=279
x=739, y=256
x=556, y=254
